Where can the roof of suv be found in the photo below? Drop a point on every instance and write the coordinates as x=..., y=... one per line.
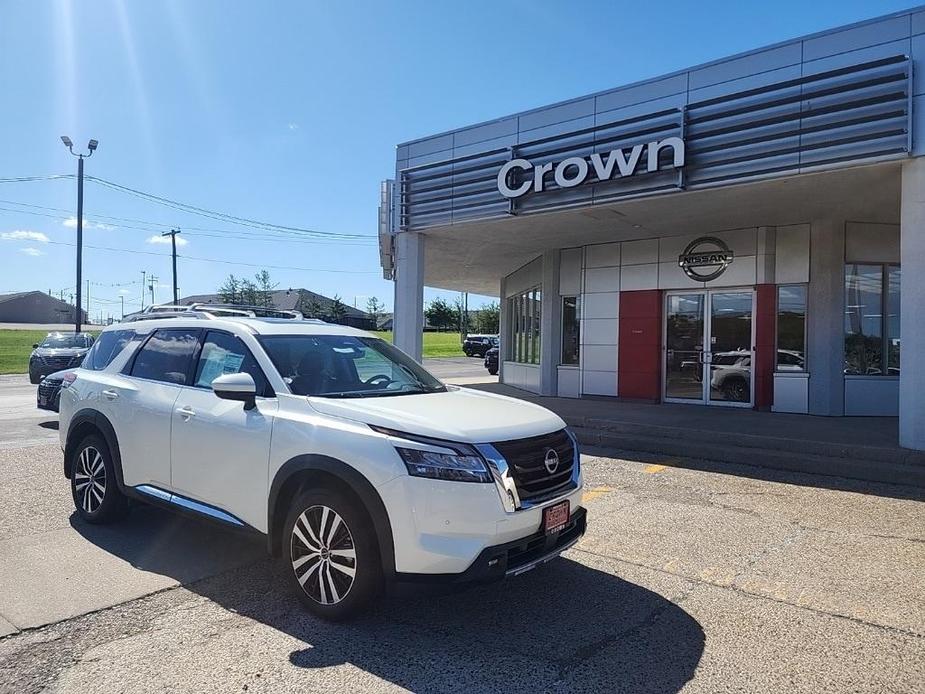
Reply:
x=258, y=326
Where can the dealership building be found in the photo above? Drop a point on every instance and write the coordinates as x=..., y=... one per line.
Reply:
x=749, y=233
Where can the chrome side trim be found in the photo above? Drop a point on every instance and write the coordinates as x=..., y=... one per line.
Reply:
x=189, y=504
x=542, y=560
x=504, y=481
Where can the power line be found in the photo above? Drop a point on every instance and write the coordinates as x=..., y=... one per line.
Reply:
x=212, y=214
x=27, y=179
x=223, y=262
x=196, y=231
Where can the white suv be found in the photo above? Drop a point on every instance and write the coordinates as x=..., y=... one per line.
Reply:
x=358, y=466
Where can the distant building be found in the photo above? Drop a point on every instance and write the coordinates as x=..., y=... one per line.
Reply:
x=36, y=307
x=300, y=300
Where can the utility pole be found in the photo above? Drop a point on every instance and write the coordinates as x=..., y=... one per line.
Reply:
x=152, y=284
x=173, y=247
x=143, y=286
x=91, y=146
x=122, y=301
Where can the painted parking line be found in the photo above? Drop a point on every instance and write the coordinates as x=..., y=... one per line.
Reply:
x=594, y=493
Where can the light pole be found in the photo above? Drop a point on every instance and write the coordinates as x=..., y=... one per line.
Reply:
x=173, y=246
x=91, y=146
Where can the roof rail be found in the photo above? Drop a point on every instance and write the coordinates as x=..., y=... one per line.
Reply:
x=248, y=310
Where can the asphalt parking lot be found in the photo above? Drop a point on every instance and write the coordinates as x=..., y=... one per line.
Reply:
x=729, y=580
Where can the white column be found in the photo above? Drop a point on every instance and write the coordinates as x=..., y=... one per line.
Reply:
x=408, y=315
x=826, y=318
x=912, y=299
x=550, y=325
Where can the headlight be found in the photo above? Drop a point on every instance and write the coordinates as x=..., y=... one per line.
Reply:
x=444, y=466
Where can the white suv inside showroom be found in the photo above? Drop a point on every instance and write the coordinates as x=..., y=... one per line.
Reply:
x=360, y=468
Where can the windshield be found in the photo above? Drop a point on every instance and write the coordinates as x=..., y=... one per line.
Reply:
x=62, y=341
x=344, y=366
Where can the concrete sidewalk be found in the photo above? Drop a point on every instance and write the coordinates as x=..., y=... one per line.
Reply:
x=862, y=448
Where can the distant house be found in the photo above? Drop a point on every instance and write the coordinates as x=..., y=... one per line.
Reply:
x=36, y=307
x=300, y=300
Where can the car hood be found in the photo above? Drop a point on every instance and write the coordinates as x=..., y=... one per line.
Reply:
x=60, y=351
x=459, y=414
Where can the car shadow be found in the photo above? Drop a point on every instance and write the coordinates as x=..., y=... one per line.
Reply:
x=562, y=626
x=49, y=424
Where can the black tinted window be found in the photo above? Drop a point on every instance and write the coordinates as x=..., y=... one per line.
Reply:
x=166, y=356
x=107, y=348
x=226, y=354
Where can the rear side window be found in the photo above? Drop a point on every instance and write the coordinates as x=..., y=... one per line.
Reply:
x=226, y=354
x=167, y=355
x=106, y=348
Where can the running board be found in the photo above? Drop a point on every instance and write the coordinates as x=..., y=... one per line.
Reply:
x=188, y=504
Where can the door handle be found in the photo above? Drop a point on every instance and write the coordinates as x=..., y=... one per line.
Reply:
x=186, y=412
x=110, y=394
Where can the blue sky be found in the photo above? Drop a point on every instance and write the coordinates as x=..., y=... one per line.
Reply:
x=290, y=113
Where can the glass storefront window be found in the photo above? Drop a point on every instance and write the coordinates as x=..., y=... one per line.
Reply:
x=791, y=327
x=872, y=319
x=571, y=322
x=524, y=332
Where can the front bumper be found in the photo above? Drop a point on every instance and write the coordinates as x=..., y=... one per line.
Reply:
x=47, y=397
x=510, y=558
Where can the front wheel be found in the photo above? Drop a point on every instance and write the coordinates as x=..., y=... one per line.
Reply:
x=331, y=548
x=94, y=489
x=492, y=370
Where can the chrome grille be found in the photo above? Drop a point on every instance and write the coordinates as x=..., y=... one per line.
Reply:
x=526, y=461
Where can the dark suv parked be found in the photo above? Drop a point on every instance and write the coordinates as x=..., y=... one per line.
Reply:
x=477, y=345
x=56, y=352
x=491, y=359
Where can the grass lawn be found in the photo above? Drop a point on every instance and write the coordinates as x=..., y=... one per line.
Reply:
x=15, y=348
x=436, y=344
x=16, y=345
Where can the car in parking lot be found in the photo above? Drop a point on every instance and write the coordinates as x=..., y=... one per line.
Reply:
x=56, y=352
x=478, y=345
x=49, y=390
x=491, y=360
x=358, y=467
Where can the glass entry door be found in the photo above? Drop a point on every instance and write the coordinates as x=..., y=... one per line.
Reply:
x=708, y=347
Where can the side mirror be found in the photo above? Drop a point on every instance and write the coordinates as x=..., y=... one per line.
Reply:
x=240, y=387
x=35, y=345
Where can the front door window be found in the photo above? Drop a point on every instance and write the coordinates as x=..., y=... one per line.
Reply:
x=708, y=347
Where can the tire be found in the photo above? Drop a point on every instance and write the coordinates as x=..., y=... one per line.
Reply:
x=92, y=468
x=492, y=370
x=34, y=378
x=346, y=575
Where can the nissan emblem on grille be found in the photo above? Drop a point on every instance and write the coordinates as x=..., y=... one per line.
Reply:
x=552, y=460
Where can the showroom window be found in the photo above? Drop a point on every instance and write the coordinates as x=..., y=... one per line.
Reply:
x=791, y=327
x=524, y=331
x=571, y=330
x=872, y=319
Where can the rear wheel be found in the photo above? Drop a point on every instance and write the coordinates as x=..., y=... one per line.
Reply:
x=331, y=548
x=94, y=489
x=492, y=370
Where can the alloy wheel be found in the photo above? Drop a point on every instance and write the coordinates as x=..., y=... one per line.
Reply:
x=90, y=479
x=323, y=555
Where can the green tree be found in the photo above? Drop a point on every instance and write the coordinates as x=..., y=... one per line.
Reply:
x=441, y=315
x=375, y=308
x=337, y=311
x=250, y=294
x=489, y=317
x=309, y=305
x=230, y=291
x=265, y=287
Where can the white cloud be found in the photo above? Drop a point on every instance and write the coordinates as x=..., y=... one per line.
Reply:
x=20, y=235
x=71, y=223
x=166, y=240
x=293, y=126
x=31, y=251
x=125, y=292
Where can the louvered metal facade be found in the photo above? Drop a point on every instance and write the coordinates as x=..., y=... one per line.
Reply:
x=833, y=117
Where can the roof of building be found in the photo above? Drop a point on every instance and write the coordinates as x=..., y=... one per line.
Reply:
x=284, y=299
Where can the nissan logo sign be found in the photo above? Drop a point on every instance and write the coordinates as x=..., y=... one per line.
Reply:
x=551, y=461
x=705, y=258
x=520, y=176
